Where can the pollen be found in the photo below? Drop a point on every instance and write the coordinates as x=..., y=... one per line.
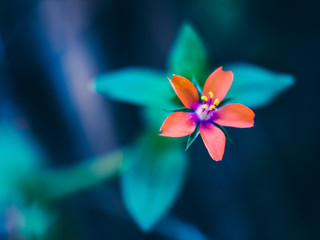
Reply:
x=204, y=98
x=211, y=94
x=212, y=107
x=216, y=102
x=204, y=106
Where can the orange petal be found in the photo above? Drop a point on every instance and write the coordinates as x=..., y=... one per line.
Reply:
x=185, y=91
x=214, y=140
x=235, y=115
x=179, y=124
x=218, y=83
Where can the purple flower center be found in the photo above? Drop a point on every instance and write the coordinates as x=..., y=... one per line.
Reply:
x=207, y=110
x=204, y=113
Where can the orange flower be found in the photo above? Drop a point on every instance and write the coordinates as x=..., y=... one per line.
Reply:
x=206, y=112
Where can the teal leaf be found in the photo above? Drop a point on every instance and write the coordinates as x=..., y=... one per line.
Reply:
x=188, y=56
x=255, y=86
x=173, y=228
x=141, y=86
x=152, y=183
x=31, y=220
x=154, y=117
x=37, y=221
x=20, y=156
x=193, y=136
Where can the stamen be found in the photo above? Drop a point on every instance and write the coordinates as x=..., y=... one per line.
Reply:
x=204, y=106
x=216, y=102
x=204, y=98
x=211, y=94
x=212, y=107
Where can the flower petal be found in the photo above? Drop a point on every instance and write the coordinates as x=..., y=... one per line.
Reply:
x=218, y=83
x=214, y=140
x=185, y=91
x=179, y=124
x=235, y=115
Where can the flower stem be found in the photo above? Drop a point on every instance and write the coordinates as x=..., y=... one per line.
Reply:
x=57, y=183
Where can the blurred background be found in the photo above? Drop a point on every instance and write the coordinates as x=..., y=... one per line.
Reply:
x=266, y=187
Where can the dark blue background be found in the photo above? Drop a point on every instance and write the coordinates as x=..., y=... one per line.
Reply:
x=267, y=186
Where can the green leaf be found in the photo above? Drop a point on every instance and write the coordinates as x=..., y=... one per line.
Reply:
x=255, y=86
x=193, y=136
x=188, y=56
x=141, y=86
x=152, y=183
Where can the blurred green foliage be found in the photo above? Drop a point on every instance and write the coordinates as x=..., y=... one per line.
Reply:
x=141, y=86
x=153, y=182
x=51, y=184
x=36, y=220
x=255, y=86
x=19, y=157
x=188, y=56
x=28, y=189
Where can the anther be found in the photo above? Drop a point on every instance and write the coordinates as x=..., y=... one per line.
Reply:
x=216, y=102
x=211, y=94
x=204, y=106
x=212, y=107
x=204, y=98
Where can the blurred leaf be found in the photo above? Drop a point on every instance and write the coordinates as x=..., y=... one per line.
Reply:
x=57, y=183
x=255, y=86
x=19, y=157
x=28, y=220
x=174, y=228
x=151, y=185
x=36, y=221
x=188, y=56
x=154, y=117
x=141, y=86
